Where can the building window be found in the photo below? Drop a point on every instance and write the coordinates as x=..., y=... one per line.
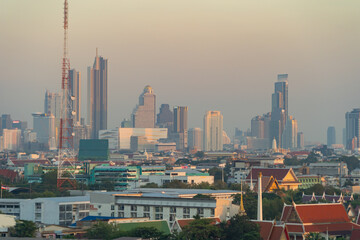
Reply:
x=113, y=214
x=133, y=214
x=200, y=211
x=37, y=206
x=121, y=207
x=113, y=207
x=158, y=216
x=147, y=215
x=37, y=216
x=172, y=209
x=146, y=208
x=62, y=208
x=121, y=214
x=172, y=217
x=69, y=208
x=133, y=208
x=186, y=210
x=158, y=209
x=212, y=212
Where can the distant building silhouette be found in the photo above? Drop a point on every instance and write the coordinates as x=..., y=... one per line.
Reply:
x=213, y=131
x=331, y=136
x=289, y=136
x=279, y=111
x=97, y=96
x=144, y=114
x=75, y=80
x=352, y=129
x=300, y=140
x=180, y=134
x=195, y=139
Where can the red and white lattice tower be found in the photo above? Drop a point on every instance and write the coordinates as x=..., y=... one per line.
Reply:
x=66, y=168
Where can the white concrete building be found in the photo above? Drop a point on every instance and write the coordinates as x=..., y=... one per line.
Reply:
x=11, y=139
x=213, y=131
x=163, y=203
x=60, y=210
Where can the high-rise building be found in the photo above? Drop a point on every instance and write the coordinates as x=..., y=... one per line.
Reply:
x=344, y=137
x=300, y=140
x=352, y=129
x=6, y=122
x=331, y=136
x=52, y=104
x=11, y=139
x=195, y=139
x=144, y=114
x=97, y=96
x=279, y=111
x=165, y=117
x=213, y=131
x=75, y=80
x=181, y=127
x=19, y=124
x=257, y=127
x=44, y=126
x=289, y=136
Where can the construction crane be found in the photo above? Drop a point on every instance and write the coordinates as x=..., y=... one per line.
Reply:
x=66, y=159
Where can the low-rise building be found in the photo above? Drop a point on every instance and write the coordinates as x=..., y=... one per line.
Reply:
x=329, y=169
x=164, y=204
x=59, y=210
x=308, y=180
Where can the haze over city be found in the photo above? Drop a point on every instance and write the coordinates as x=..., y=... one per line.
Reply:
x=207, y=55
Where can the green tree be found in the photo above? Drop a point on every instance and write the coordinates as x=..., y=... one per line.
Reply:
x=176, y=184
x=199, y=154
x=23, y=229
x=150, y=185
x=200, y=229
x=250, y=203
x=241, y=228
x=147, y=233
x=351, y=162
x=217, y=173
x=101, y=230
x=50, y=178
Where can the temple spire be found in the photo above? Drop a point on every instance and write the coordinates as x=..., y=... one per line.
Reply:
x=242, y=209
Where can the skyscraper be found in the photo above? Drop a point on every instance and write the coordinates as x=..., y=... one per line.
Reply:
x=352, y=129
x=11, y=139
x=195, y=139
x=290, y=134
x=75, y=80
x=144, y=114
x=6, y=121
x=52, y=104
x=331, y=136
x=300, y=140
x=181, y=127
x=279, y=111
x=165, y=117
x=44, y=126
x=213, y=131
x=97, y=95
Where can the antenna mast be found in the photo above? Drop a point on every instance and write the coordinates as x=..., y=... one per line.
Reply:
x=66, y=167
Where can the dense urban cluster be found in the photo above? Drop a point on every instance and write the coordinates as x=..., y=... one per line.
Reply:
x=153, y=177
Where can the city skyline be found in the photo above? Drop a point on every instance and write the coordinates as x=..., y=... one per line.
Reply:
x=320, y=75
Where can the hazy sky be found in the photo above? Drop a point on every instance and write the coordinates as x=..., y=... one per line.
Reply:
x=206, y=54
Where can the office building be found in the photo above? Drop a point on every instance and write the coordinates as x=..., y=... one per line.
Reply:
x=97, y=96
x=75, y=81
x=180, y=133
x=300, y=140
x=331, y=136
x=279, y=110
x=165, y=117
x=144, y=114
x=352, y=129
x=52, y=104
x=6, y=122
x=11, y=139
x=19, y=125
x=213, y=131
x=44, y=126
x=151, y=134
x=195, y=139
x=289, y=136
